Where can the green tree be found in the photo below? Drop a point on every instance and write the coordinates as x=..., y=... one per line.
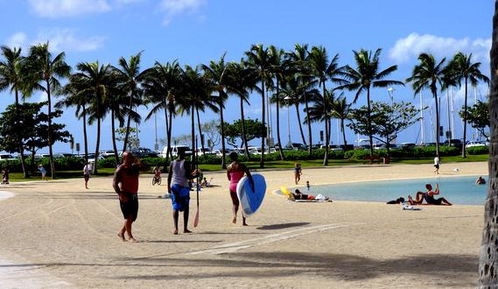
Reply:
x=33, y=136
x=212, y=131
x=463, y=69
x=254, y=129
x=11, y=78
x=130, y=135
x=323, y=70
x=477, y=116
x=162, y=83
x=217, y=72
x=340, y=109
x=367, y=75
x=129, y=82
x=428, y=74
x=45, y=72
x=385, y=122
x=95, y=79
x=259, y=59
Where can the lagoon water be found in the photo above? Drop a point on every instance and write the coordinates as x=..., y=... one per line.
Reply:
x=457, y=190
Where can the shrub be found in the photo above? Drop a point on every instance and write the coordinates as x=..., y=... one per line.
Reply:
x=477, y=150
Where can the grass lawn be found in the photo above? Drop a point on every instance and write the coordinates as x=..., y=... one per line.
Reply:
x=103, y=172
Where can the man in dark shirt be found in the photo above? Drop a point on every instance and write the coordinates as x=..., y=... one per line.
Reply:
x=125, y=184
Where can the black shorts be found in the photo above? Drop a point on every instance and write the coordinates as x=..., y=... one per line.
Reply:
x=436, y=166
x=130, y=208
x=86, y=177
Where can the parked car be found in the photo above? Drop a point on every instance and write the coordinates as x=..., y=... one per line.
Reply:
x=144, y=153
x=475, y=144
x=453, y=143
x=175, y=150
x=407, y=145
x=7, y=157
x=109, y=153
x=296, y=146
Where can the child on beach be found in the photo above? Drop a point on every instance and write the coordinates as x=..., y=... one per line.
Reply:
x=436, y=165
x=5, y=176
x=86, y=173
x=297, y=172
x=43, y=172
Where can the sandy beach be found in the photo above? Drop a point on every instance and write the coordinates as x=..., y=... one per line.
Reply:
x=59, y=229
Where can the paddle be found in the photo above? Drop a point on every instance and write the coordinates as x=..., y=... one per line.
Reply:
x=196, y=165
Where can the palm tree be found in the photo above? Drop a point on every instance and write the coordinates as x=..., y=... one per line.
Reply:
x=161, y=84
x=199, y=96
x=488, y=276
x=259, y=59
x=299, y=65
x=323, y=70
x=129, y=72
x=217, y=74
x=461, y=68
x=278, y=70
x=241, y=80
x=365, y=76
x=428, y=74
x=46, y=71
x=340, y=110
x=320, y=111
x=95, y=79
x=75, y=96
x=116, y=101
x=297, y=90
x=11, y=78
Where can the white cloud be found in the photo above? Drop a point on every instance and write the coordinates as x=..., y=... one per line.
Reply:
x=173, y=8
x=60, y=40
x=411, y=46
x=18, y=39
x=68, y=8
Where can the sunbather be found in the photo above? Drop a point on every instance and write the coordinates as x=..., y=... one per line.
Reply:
x=297, y=195
x=428, y=196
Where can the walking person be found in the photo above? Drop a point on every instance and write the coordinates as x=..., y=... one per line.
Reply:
x=43, y=172
x=298, y=171
x=235, y=172
x=436, y=165
x=86, y=173
x=125, y=184
x=5, y=175
x=180, y=173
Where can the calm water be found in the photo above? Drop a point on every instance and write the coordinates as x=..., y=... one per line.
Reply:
x=458, y=190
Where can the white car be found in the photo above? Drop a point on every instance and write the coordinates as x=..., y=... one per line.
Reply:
x=475, y=144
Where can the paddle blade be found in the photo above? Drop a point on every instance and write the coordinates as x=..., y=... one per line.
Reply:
x=196, y=218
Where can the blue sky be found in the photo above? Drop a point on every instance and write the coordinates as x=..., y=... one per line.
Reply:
x=197, y=31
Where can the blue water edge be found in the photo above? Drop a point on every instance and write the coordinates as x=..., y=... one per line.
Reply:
x=457, y=190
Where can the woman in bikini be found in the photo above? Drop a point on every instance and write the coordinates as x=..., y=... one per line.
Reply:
x=235, y=172
x=429, y=197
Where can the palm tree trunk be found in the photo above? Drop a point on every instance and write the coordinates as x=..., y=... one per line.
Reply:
x=50, y=151
x=434, y=92
x=343, y=134
x=21, y=147
x=85, y=136
x=326, y=156
x=278, y=123
x=97, y=145
x=464, y=121
x=200, y=130
x=244, y=137
x=167, y=125
x=369, y=112
x=113, y=135
x=310, y=137
x=263, y=111
x=222, y=128
x=488, y=276
x=192, y=114
x=300, y=124
x=169, y=128
x=128, y=123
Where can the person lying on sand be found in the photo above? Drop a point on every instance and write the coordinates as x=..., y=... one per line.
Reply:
x=429, y=197
x=297, y=195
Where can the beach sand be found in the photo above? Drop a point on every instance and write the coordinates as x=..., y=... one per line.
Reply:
x=69, y=233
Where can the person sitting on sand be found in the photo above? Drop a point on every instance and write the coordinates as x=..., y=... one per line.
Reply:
x=5, y=175
x=205, y=183
x=429, y=197
x=297, y=195
x=480, y=181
